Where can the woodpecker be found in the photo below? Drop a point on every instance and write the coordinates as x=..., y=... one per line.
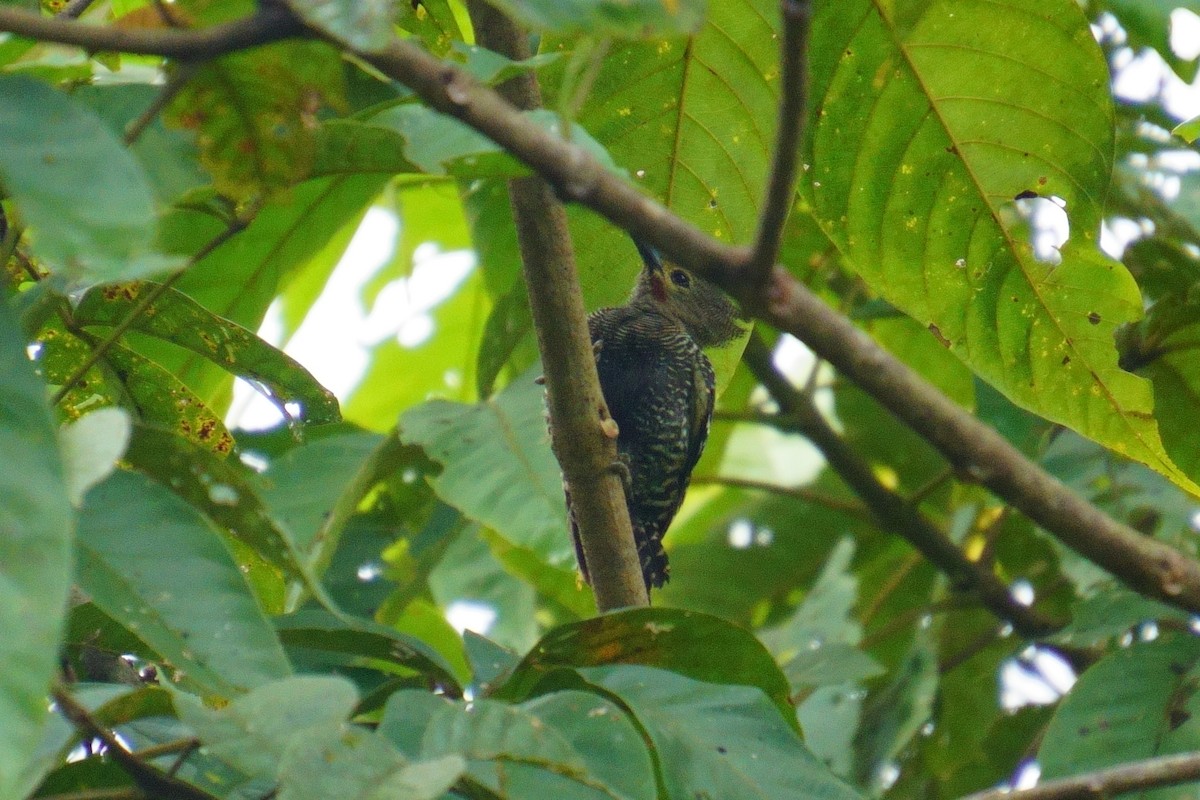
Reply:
x=659, y=388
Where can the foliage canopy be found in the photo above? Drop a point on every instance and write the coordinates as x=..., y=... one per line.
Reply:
x=264, y=613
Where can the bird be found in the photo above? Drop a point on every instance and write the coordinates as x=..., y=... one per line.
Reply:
x=659, y=388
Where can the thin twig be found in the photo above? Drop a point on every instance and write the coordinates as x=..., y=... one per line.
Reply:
x=175, y=82
x=75, y=9
x=1105, y=783
x=98, y=794
x=891, y=511
x=781, y=184
x=102, y=347
x=921, y=493
x=149, y=779
x=799, y=492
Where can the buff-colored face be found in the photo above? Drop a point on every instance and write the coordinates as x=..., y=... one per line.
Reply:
x=703, y=309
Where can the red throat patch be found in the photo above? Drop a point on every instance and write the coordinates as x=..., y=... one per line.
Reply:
x=658, y=287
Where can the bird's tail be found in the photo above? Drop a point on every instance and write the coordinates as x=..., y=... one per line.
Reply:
x=656, y=571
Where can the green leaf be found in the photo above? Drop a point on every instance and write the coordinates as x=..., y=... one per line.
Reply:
x=489, y=660
x=498, y=468
x=378, y=645
x=253, y=732
x=36, y=522
x=702, y=146
x=254, y=112
x=152, y=563
x=90, y=447
x=1188, y=130
x=565, y=595
x=720, y=741
x=50, y=148
x=223, y=490
x=966, y=115
x=604, y=737
x=1111, y=612
x=240, y=279
x=892, y=716
x=169, y=158
x=361, y=24
x=355, y=764
x=512, y=750
x=1136, y=703
x=817, y=645
x=630, y=18
x=302, y=487
x=123, y=375
x=700, y=646
x=174, y=317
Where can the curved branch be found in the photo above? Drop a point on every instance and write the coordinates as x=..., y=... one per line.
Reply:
x=1105, y=783
x=270, y=24
x=891, y=511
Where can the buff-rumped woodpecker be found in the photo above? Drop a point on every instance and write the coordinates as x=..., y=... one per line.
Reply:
x=659, y=388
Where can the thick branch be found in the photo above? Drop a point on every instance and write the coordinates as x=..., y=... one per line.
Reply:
x=891, y=510
x=577, y=408
x=270, y=24
x=1105, y=783
x=781, y=186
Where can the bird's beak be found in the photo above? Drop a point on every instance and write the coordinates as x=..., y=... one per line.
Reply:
x=650, y=256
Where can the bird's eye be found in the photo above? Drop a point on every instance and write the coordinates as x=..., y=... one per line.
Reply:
x=680, y=278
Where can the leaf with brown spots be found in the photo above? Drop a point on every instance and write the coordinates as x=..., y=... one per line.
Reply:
x=178, y=319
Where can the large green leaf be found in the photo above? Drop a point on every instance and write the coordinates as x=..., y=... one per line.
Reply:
x=356, y=764
x=362, y=24
x=368, y=642
x=511, y=750
x=174, y=317
x=223, y=490
x=252, y=733
x=35, y=557
x=497, y=464
x=723, y=741
x=697, y=645
x=152, y=563
x=51, y=150
x=928, y=122
x=631, y=18
x=254, y=114
x=1136, y=703
x=125, y=377
x=817, y=646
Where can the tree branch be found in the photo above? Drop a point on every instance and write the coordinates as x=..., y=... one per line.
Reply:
x=148, y=778
x=1102, y=784
x=271, y=23
x=891, y=511
x=577, y=408
x=781, y=186
x=848, y=507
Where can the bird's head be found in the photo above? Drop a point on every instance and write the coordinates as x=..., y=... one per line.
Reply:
x=704, y=311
